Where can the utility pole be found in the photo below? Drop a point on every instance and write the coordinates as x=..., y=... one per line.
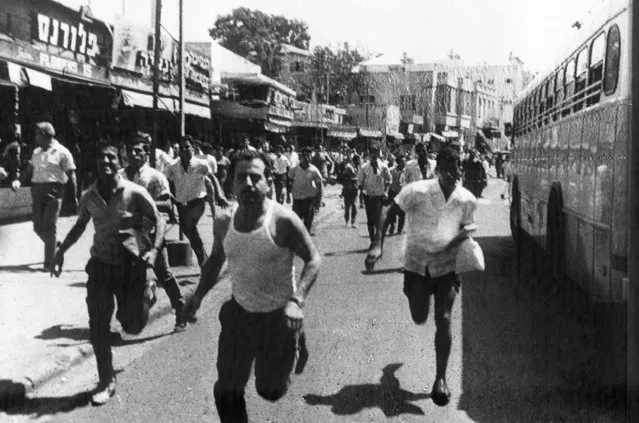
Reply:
x=156, y=77
x=182, y=76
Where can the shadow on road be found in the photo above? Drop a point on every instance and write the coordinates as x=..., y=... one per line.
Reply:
x=387, y=396
x=25, y=268
x=523, y=359
x=345, y=253
x=74, y=333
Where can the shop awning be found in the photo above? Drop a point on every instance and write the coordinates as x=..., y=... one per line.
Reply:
x=280, y=122
x=450, y=134
x=396, y=135
x=275, y=128
x=436, y=136
x=23, y=77
x=132, y=98
x=370, y=133
x=197, y=110
x=342, y=134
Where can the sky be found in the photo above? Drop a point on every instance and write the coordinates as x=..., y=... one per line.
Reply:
x=478, y=30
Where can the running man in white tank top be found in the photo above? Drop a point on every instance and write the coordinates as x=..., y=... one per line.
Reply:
x=263, y=320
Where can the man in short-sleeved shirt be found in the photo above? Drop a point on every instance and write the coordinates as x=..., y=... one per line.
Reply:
x=440, y=214
x=120, y=256
x=51, y=167
x=373, y=179
x=305, y=182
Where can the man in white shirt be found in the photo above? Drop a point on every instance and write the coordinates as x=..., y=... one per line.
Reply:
x=374, y=178
x=418, y=168
x=51, y=167
x=189, y=174
x=440, y=214
x=292, y=155
x=305, y=182
x=281, y=166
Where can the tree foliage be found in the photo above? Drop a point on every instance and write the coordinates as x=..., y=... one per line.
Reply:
x=258, y=36
x=331, y=78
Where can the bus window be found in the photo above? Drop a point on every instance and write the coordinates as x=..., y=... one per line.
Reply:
x=613, y=56
x=569, y=87
x=559, y=93
x=550, y=92
x=580, y=79
x=595, y=72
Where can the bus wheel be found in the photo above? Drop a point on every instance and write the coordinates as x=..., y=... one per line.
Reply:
x=555, y=240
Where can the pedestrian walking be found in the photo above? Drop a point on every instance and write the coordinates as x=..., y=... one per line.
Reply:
x=121, y=254
x=475, y=179
x=305, y=182
x=418, y=168
x=441, y=214
x=322, y=161
x=223, y=165
x=396, y=216
x=51, y=168
x=374, y=179
x=139, y=172
x=350, y=190
x=281, y=167
x=190, y=175
x=263, y=320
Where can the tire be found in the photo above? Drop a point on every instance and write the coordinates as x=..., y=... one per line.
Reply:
x=515, y=215
x=555, y=237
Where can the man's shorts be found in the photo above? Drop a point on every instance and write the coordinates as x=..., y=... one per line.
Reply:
x=420, y=287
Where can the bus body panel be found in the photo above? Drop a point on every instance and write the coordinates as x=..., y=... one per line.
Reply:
x=586, y=155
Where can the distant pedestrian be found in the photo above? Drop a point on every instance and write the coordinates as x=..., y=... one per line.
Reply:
x=122, y=252
x=262, y=323
x=189, y=174
x=51, y=168
x=223, y=165
x=396, y=216
x=322, y=161
x=281, y=167
x=156, y=184
x=374, y=179
x=441, y=214
x=292, y=155
x=475, y=179
x=305, y=182
x=350, y=190
x=419, y=168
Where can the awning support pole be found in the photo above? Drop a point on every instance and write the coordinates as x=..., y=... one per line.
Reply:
x=156, y=78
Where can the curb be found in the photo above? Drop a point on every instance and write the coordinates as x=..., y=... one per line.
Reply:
x=13, y=393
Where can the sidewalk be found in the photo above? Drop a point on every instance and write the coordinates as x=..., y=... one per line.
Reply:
x=44, y=321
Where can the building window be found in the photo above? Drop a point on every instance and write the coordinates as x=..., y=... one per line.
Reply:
x=613, y=56
x=408, y=102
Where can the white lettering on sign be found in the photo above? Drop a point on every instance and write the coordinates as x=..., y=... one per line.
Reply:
x=62, y=64
x=67, y=36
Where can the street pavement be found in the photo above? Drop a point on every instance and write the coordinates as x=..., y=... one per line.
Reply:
x=511, y=359
x=44, y=321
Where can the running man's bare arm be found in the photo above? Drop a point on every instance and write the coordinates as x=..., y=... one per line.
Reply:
x=72, y=237
x=300, y=241
x=212, y=267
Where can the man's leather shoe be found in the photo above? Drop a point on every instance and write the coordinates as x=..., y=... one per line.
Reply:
x=440, y=394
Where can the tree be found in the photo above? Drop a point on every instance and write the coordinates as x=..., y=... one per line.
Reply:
x=258, y=37
x=331, y=78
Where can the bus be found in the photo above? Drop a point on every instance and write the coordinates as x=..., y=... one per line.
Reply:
x=570, y=157
x=574, y=169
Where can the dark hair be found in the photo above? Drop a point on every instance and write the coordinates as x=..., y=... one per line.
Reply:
x=105, y=143
x=448, y=156
x=141, y=138
x=250, y=155
x=306, y=150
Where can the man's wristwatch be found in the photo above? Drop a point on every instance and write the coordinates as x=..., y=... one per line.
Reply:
x=297, y=301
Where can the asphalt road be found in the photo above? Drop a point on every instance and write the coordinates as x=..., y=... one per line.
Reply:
x=513, y=358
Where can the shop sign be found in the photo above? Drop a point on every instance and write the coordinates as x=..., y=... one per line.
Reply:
x=133, y=50
x=75, y=38
x=393, y=116
x=29, y=56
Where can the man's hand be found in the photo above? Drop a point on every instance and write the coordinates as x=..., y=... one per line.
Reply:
x=191, y=307
x=15, y=185
x=294, y=316
x=223, y=203
x=56, y=264
x=374, y=255
x=150, y=256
